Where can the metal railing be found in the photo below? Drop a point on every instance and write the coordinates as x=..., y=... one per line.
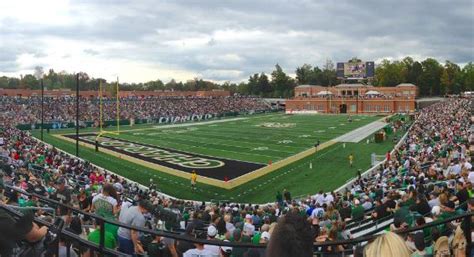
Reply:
x=101, y=249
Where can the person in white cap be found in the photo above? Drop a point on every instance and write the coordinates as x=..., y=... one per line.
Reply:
x=265, y=237
x=249, y=228
x=211, y=235
x=199, y=250
x=228, y=225
x=226, y=251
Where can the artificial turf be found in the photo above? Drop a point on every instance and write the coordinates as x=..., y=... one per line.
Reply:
x=237, y=140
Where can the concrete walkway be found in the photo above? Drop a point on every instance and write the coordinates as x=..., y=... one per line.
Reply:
x=357, y=135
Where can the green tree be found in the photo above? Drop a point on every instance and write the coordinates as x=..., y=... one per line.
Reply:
x=414, y=73
x=328, y=76
x=4, y=82
x=264, y=86
x=282, y=84
x=231, y=87
x=317, y=76
x=468, y=77
x=252, y=85
x=448, y=77
x=445, y=82
x=390, y=74
x=13, y=83
x=304, y=74
x=430, y=80
x=154, y=85
x=243, y=88
x=29, y=81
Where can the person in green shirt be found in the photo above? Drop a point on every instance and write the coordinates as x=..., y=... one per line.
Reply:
x=256, y=238
x=357, y=211
x=46, y=177
x=448, y=212
x=109, y=241
x=279, y=197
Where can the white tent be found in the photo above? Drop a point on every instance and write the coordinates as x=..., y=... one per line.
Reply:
x=372, y=92
x=324, y=92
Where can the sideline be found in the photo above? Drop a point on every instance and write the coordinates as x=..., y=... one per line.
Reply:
x=188, y=124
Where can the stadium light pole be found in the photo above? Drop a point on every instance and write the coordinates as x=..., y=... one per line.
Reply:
x=77, y=114
x=42, y=108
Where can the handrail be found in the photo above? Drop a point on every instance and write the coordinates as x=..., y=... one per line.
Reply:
x=101, y=221
x=141, y=229
x=68, y=234
x=464, y=216
x=238, y=244
x=46, y=209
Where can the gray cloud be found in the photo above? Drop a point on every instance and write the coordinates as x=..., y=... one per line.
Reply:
x=91, y=51
x=230, y=40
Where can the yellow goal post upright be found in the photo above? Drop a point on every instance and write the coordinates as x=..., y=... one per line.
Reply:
x=102, y=131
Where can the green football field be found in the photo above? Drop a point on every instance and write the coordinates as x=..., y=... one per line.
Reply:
x=255, y=139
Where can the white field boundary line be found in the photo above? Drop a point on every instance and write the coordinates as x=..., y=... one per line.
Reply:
x=185, y=124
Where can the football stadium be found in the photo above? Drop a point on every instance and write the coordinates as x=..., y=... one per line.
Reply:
x=361, y=157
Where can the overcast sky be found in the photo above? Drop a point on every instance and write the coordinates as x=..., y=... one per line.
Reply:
x=142, y=40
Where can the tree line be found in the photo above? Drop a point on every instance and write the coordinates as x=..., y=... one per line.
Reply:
x=432, y=77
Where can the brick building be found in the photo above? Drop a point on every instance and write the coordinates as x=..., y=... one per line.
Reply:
x=353, y=98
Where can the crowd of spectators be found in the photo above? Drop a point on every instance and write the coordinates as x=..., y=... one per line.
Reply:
x=428, y=178
x=18, y=110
